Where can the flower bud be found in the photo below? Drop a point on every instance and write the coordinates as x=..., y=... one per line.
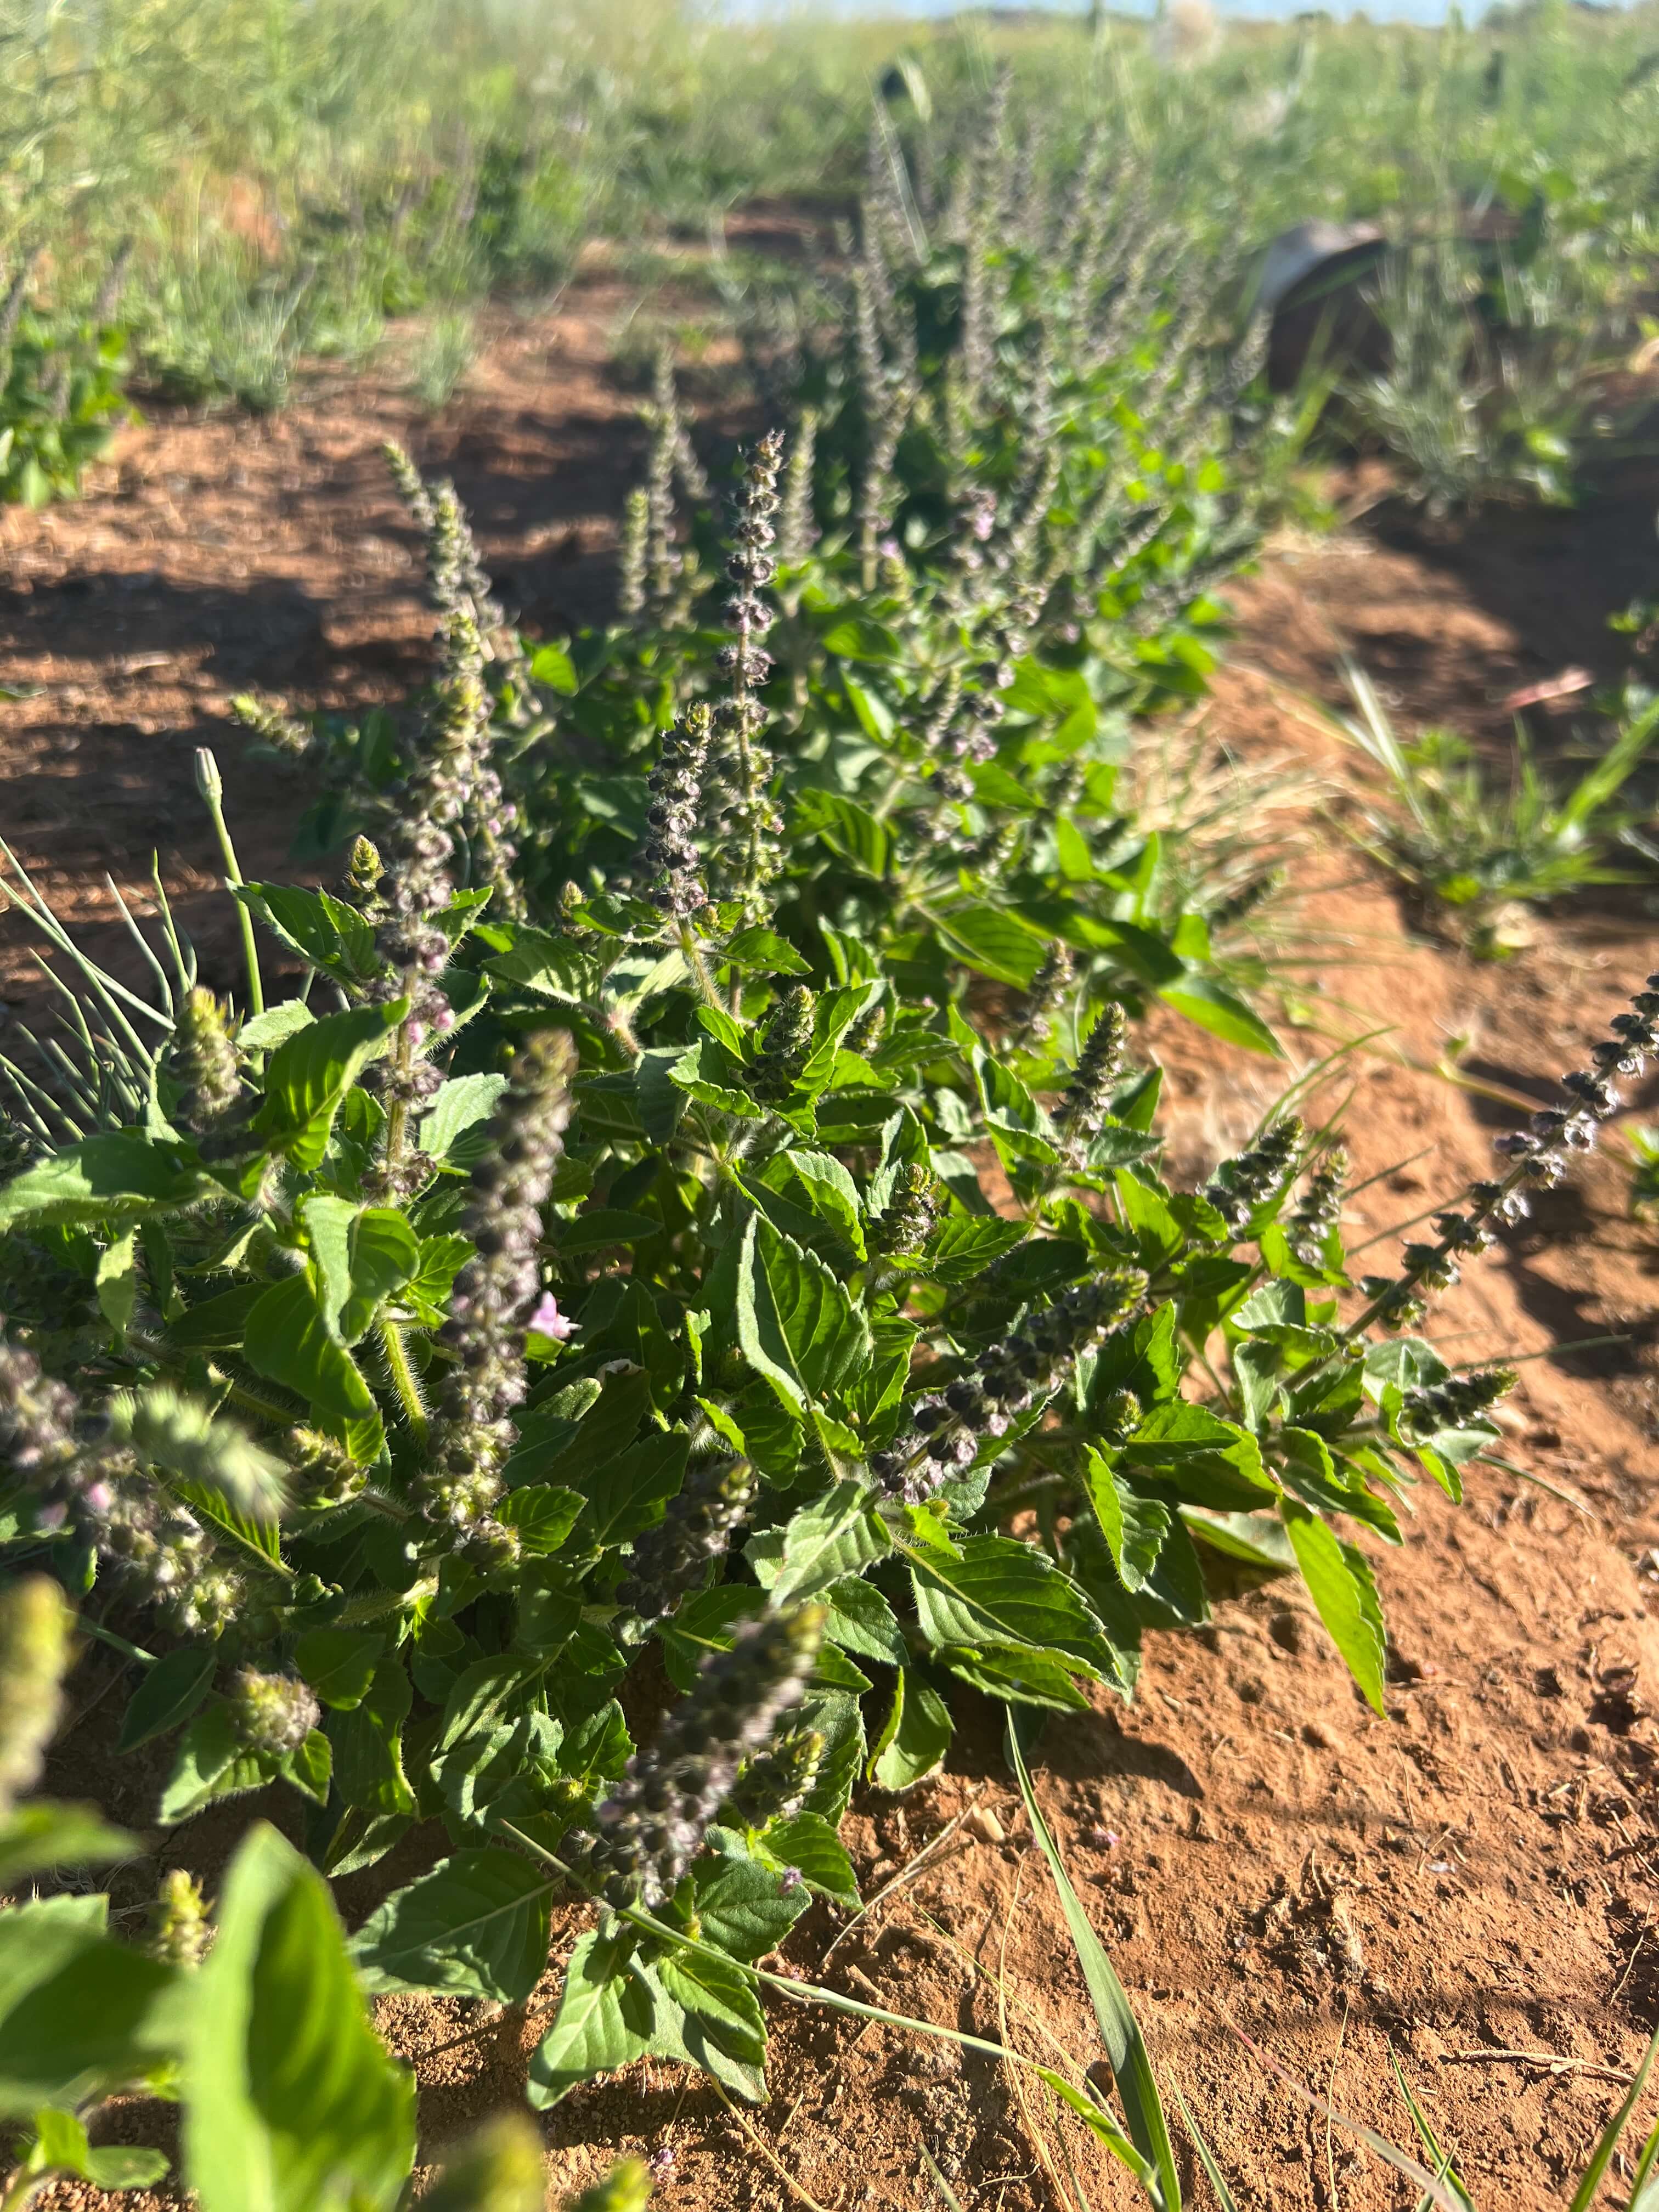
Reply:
x=625, y=2189
x=202, y=1062
x=34, y=1643
x=907, y=1221
x=786, y=1047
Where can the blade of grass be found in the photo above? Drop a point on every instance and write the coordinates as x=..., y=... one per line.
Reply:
x=943, y=2187
x=1033, y=2124
x=183, y=951
x=40, y=1101
x=1585, y=2195
x=1434, y=2189
x=765, y=2150
x=1218, y=2181
x=1613, y=770
x=1125, y=2047
x=1645, y=2189
x=1442, y=2159
x=104, y=987
x=142, y=942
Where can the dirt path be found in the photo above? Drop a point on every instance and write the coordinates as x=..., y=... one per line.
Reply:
x=218, y=556
x=1474, y=1876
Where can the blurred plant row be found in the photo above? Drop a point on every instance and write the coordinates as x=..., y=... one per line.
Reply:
x=279, y=182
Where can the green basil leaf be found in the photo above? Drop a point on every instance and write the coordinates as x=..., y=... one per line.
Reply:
x=1134, y=1528
x=80, y=2014
x=311, y=1072
x=543, y=1513
x=917, y=1735
x=1341, y=1585
x=322, y=930
x=42, y=1835
x=607, y=2014
x=166, y=1695
x=100, y=1177
x=477, y=1924
x=796, y=1324
x=742, y=1908
x=842, y=1534
x=288, y=1341
x=1001, y=1591
x=291, y=2101
x=339, y=1663
x=209, y=1762
x=808, y=1843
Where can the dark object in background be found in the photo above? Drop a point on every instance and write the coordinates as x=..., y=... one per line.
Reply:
x=1312, y=286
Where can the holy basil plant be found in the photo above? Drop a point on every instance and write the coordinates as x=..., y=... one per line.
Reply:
x=984, y=568
x=250, y=2017
x=572, y=1383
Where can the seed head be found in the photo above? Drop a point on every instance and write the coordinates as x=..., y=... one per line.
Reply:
x=1456, y=1403
x=786, y=1047
x=1083, y=1108
x=651, y=1828
x=274, y=1713
x=949, y=1428
x=1247, y=1180
x=496, y=1290
x=1319, y=1209
x=34, y=1644
x=37, y=1424
x=1048, y=988
x=669, y=856
x=775, y=1784
x=674, y=1558
x=179, y=1930
x=635, y=553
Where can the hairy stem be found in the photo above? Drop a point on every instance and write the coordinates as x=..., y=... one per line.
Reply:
x=404, y=1380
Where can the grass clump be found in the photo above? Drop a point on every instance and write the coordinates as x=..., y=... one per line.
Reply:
x=1474, y=853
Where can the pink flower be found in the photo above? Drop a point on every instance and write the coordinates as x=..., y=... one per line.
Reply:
x=547, y=1320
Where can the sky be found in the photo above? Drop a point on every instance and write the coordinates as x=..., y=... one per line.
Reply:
x=1380, y=11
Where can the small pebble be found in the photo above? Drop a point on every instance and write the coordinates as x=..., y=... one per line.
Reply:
x=984, y=1826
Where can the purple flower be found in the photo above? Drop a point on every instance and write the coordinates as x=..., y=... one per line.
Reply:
x=790, y=1880
x=546, y=1319
x=662, y=2163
